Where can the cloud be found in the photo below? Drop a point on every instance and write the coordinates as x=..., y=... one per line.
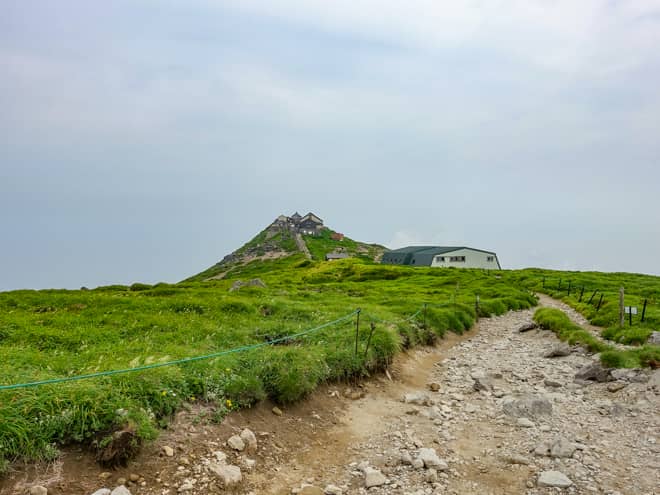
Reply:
x=563, y=36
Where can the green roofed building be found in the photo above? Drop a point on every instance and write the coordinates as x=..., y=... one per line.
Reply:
x=442, y=256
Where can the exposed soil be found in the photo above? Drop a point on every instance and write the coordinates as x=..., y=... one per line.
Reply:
x=323, y=440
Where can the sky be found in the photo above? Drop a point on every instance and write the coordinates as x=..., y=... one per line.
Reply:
x=145, y=140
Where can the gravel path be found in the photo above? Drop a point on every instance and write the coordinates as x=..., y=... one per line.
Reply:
x=529, y=424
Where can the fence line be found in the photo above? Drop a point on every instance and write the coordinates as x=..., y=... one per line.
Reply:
x=180, y=361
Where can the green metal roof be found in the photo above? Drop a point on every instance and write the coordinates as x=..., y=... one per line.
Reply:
x=422, y=255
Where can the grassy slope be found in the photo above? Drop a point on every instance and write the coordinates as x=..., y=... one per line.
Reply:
x=46, y=334
x=323, y=243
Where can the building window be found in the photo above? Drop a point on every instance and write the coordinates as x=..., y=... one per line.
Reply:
x=490, y=258
x=440, y=258
x=460, y=259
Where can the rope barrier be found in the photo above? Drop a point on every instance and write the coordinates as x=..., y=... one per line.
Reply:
x=177, y=361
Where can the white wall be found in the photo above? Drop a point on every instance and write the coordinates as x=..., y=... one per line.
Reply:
x=473, y=259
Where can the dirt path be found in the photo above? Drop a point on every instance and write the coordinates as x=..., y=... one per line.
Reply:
x=578, y=319
x=603, y=437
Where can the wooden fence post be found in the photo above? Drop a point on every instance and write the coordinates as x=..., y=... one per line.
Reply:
x=621, y=313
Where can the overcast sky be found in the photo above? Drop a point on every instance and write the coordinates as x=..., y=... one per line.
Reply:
x=143, y=141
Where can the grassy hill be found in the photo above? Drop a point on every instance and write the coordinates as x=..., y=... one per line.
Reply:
x=276, y=242
x=279, y=341
x=58, y=334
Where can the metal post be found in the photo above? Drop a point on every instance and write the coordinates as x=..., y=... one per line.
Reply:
x=592, y=296
x=621, y=313
x=630, y=317
x=581, y=294
x=544, y=282
x=357, y=330
x=600, y=301
x=569, y=288
x=559, y=286
x=644, y=310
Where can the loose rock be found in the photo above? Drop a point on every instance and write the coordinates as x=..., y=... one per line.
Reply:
x=527, y=406
x=554, y=478
x=236, y=443
x=373, y=477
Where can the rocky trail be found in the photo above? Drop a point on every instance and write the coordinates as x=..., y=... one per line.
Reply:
x=483, y=413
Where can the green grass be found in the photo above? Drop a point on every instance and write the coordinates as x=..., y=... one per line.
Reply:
x=59, y=333
x=583, y=285
x=322, y=244
x=557, y=321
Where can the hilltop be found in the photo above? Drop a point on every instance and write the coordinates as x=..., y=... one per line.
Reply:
x=291, y=237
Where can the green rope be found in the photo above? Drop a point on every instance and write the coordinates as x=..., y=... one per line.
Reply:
x=409, y=318
x=178, y=361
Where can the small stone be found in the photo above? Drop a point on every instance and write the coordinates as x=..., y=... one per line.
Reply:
x=168, y=451
x=134, y=477
x=105, y=475
x=431, y=460
x=102, y=491
x=236, y=443
x=433, y=386
x=38, y=490
x=525, y=423
x=332, y=490
x=431, y=476
x=120, y=490
x=481, y=381
x=554, y=478
x=551, y=383
x=527, y=406
x=526, y=327
x=559, y=350
x=228, y=474
x=310, y=490
x=418, y=398
x=595, y=372
x=417, y=463
x=277, y=411
x=616, y=386
x=516, y=459
x=373, y=477
x=185, y=487
x=249, y=439
x=121, y=481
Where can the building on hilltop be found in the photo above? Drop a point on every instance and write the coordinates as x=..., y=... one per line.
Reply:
x=310, y=224
x=442, y=256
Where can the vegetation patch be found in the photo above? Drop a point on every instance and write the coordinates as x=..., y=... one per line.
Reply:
x=596, y=296
x=119, y=327
x=557, y=321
